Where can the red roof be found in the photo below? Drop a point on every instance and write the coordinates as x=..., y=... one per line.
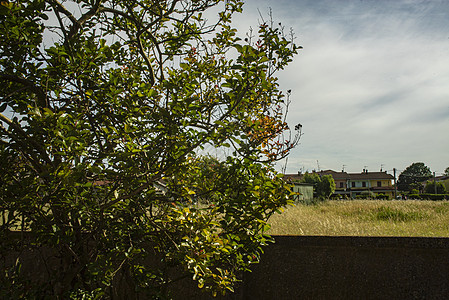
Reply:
x=346, y=176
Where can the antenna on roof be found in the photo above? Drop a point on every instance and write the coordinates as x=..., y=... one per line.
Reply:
x=381, y=167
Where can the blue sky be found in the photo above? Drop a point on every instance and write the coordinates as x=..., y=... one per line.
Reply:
x=371, y=86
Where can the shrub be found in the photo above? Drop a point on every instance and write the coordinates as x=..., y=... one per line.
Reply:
x=433, y=197
x=364, y=196
x=382, y=196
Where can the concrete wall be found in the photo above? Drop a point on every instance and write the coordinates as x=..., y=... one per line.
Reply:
x=351, y=268
x=311, y=267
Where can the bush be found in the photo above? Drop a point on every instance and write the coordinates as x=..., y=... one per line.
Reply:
x=365, y=195
x=382, y=197
x=433, y=197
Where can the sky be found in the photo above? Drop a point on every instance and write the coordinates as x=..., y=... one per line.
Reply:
x=371, y=85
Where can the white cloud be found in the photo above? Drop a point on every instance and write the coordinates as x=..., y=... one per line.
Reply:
x=370, y=86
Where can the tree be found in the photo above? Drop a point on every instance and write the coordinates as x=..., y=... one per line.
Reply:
x=105, y=109
x=324, y=186
x=446, y=171
x=413, y=177
x=327, y=186
x=430, y=188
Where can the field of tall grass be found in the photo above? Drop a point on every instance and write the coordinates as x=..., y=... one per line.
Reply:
x=364, y=218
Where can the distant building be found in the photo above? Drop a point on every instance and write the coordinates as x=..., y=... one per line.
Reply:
x=304, y=192
x=350, y=185
x=373, y=183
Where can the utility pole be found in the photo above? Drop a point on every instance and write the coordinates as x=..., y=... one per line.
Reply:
x=395, y=186
x=434, y=182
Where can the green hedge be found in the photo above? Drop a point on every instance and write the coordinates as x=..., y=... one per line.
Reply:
x=433, y=197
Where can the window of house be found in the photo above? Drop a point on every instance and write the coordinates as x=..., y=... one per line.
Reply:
x=363, y=184
x=353, y=184
x=379, y=183
x=341, y=184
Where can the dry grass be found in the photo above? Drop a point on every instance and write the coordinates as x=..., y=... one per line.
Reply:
x=365, y=218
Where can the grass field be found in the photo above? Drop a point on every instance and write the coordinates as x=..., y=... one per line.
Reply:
x=365, y=218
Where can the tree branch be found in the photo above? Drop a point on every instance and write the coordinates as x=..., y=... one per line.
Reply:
x=30, y=157
x=84, y=18
x=39, y=148
x=63, y=10
x=41, y=96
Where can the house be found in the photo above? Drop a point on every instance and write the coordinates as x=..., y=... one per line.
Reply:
x=350, y=185
x=372, y=183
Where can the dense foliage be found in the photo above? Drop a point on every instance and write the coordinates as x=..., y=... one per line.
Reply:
x=323, y=186
x=105, y=109
x=413, y=177
x=433, y=187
